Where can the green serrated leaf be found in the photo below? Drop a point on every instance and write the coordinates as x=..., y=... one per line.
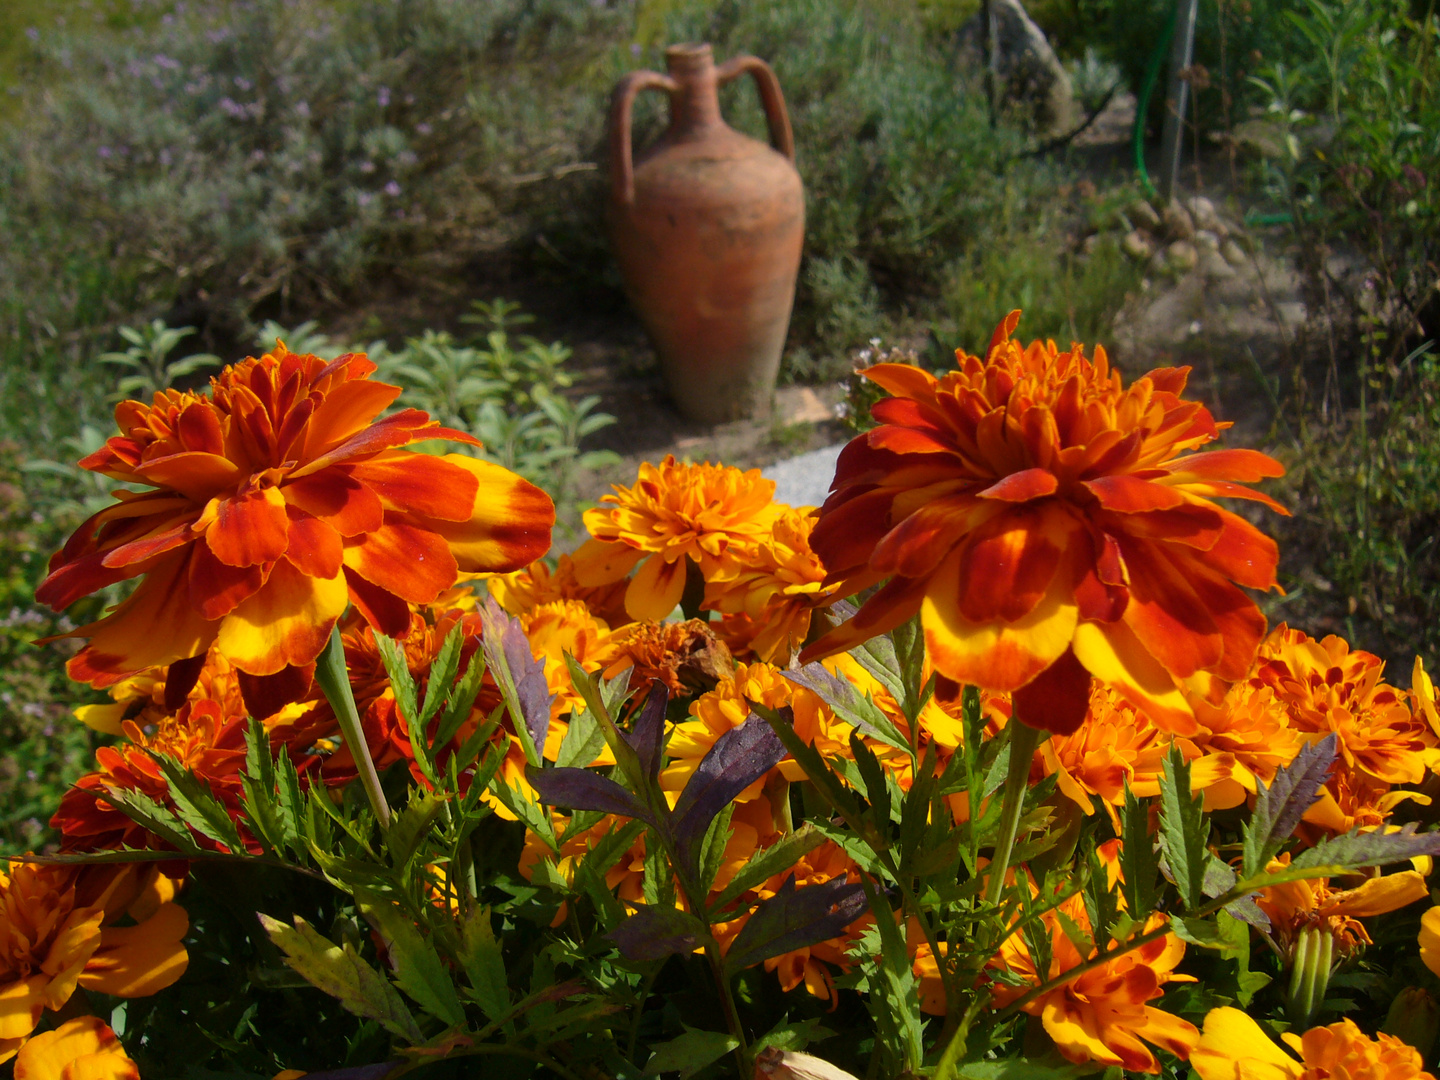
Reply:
x=690, y=1052
x=419, y=971
x=441, y=679
x=712, y=848
x=582, y=743
x=197, y=806
x=409, y=827
x=1184, y=832
x=484, y=964
x=1139, y=865
x=402, y=683
x=341, y=973
x=462, y=700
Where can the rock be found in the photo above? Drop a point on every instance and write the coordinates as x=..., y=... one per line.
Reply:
x=1233, y=253
x=1137, y=245
x=1179, y=225
x=1031, y=78
x=1206, y=242
x=1202, y=211
x=1090, y=244
x=1213, y=266
x=1144, y=216
x=1181, y=256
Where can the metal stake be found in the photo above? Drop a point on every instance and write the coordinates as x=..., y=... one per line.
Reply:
x=1177, y=96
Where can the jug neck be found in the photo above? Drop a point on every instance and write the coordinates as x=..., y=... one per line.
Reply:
x=695, y=106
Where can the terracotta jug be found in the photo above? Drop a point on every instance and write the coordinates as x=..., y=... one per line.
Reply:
x=707, y=226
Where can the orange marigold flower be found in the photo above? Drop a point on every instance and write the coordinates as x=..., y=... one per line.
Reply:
x=56, y=934
x=777, y=589
x=1300, y=905
x=1233, y=1047
x=713, y=516
x=1102, y=1015
x=205, y=737
x=278, y=499
x=1119, y=745
x=686, y=656
x=1326, y=687
x=1046, y=522
x=81, y=1049
x=1250, y=727
x=537, y=584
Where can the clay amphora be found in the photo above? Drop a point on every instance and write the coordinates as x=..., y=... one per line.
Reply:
x=707, y=225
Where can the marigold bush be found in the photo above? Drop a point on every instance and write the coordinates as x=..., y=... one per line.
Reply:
x=1053, y=799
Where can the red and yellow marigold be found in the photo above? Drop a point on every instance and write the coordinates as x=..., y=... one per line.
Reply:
x=56, y=933
x=1048, y=523
x=713, y=516
x=276, y=500
x=1233, y=1047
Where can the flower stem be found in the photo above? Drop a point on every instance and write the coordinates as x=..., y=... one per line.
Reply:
x=1023, y=741
x=334, y=680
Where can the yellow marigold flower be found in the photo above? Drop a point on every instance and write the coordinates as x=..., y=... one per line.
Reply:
x=777, y=590
x=55, y=934
x=1326, y=687
x=1048, y=523
x=1301, y=905
x=561, y=627
x=277, y=499
x=1102, y=1015
x=1422, y=691
x=713, y=516
x=537, y=584
x=1233, y=1047
x=81, y=1049
x=1430, y=939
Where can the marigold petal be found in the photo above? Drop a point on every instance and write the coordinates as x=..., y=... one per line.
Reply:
x=1057, y=699
x=346, y=409
x=1243, y=553
x=656, y=589
x=915, y=546
x=136, y=961
x=599, y=562
x=250, y=528
x=80, y=1049
x=155, y=626
x=995, y=655
x=420, y=484
x=1075, y=1031
x=1430, y=939
x=1169, y=1032
x=382, y=609
x=1124, y=494
x=1244, y=466
x=1114, y=655
x=286, y=622
x=1232, y=1047
x=902, y=380
x=337, y=498
x=165, y=535
x=1008, y=563
x=315, y=547
x=1166, y=613
x=21, y=1003
x=411, y=562
x=508, y=527
x=1381, y=895
x=195, y=474
x=896, y=601
x=1022, y=486
x=215, y=588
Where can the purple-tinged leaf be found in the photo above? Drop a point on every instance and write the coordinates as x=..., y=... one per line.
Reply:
x=580, y=789
x=519, y=675
x=1280, y=806
x=1220, y=879
x=649, y=730
x=739, y=757
x=795, y=918
x=656, y=932
x=1355, y=849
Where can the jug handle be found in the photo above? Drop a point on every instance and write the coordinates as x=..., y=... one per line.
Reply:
x=622, y=166
x=781, y=137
